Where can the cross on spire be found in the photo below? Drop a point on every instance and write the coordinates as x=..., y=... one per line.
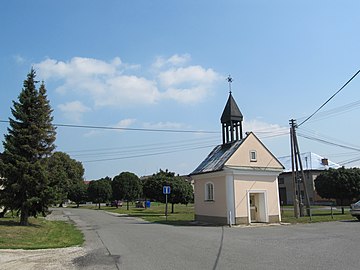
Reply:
x=229, y=79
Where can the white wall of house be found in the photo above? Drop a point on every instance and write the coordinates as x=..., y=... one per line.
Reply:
x=215, y=207
x=259, y=184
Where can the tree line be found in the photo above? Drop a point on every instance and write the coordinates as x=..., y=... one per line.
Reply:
x=33, y=176
x=128, y=187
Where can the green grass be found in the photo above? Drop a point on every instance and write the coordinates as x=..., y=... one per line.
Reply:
x=184, y=215
x=319, y=214
x=40, y=234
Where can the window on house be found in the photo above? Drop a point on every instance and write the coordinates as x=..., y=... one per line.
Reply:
x=209, y=192
x=253, y=156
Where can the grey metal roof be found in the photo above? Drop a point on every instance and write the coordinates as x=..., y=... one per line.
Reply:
x=231, y=111
x=310, y=161
x=216, y=160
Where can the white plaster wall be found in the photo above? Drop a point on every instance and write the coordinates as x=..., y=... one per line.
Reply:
x=210, y=208
x=245, y=184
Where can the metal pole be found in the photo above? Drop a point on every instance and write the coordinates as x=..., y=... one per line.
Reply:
x=166, y=207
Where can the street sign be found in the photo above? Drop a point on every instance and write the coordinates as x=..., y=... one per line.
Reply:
x=166, y=190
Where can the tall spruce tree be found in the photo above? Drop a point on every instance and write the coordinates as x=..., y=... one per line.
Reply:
x=30, y=140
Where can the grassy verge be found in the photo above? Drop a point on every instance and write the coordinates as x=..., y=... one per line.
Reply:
x=318, y=215
x=184, y=215
x=40, y=234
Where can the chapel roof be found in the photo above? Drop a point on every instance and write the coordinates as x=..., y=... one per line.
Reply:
x=216, y=160
x=231, y=111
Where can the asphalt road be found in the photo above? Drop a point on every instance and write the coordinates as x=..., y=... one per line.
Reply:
x=126, y=243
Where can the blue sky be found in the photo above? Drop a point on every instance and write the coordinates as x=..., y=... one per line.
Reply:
x=163, y=65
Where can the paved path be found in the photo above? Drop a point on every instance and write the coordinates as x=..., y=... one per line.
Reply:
x=128, y=243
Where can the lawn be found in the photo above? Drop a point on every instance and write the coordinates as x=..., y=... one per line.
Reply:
x=184, y=215
x=319, y=214
x=40, y=234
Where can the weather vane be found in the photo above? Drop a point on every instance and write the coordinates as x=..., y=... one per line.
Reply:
x=230, y=80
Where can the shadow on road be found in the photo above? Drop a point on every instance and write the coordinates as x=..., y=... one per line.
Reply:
x=220, y=249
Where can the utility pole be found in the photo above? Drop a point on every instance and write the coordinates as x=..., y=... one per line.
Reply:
x=294, y=180
x=298, y=176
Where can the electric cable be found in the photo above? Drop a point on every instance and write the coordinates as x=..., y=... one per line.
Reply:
x=132, y=129
x=330, y=98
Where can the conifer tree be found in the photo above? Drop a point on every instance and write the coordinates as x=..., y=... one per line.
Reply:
x=30, y=140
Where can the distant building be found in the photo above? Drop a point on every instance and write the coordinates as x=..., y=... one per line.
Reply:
x=237, y=181
x=313, y=165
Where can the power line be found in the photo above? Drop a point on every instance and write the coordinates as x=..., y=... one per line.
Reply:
x=137, y=129
x=316, y=134
x=146, y=149
x=349, y=161
x=146, y=155
x=330, y=98
x=335, y=111
x=328, y=142
x=132, y=129
x=211, y=139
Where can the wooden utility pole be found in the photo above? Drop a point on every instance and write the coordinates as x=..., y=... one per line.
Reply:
x=298, y=175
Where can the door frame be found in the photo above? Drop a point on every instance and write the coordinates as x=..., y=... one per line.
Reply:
x=262, y=205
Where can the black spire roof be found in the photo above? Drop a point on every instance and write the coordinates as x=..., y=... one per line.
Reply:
x=231, y=111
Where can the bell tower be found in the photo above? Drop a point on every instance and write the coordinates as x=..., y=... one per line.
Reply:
x=231, y=119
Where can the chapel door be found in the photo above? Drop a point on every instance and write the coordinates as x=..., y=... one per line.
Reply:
x=253, y=208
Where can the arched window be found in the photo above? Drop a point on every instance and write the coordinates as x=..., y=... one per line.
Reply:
x=209, y=191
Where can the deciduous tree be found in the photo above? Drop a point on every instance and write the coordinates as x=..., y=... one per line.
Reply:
x=126, y=186
x=181, y=190
x=100, y=191
x=340, y=184
x=78, y=193
x=64, y=173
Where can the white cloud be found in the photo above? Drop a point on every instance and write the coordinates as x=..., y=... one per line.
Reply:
x=102, y=81
x=127, y=90
x=74, y=110
x=189, y=95
x=115, y=83
x=125, y=123
x=193, y=75
x=19, y=59
x=188, y=84
x=163, y=125
x=121, y=124
x=263, y=129
x=76, y=68
x=175, y=60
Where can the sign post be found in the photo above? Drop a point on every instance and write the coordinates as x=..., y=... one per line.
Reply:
x=166, y=191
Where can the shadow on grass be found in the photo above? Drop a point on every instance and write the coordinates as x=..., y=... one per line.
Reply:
x=327, y=214
x=13, y=223
x=185, y=223
x=145, y=215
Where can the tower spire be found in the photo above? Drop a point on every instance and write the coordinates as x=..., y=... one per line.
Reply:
x=231, y=119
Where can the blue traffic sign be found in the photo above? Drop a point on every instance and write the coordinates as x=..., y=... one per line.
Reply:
x=166, y=190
